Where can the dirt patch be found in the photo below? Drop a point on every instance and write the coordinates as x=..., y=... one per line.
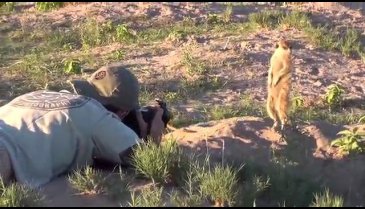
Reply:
x=250, y=139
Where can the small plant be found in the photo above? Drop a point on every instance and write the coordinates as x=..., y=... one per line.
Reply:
x=47, y=6
x=322, y=37
x=87, y=181
x=193, y=65
x=90, y=33
x=213, y=19
x=361, y=120
x=189, y=200
x=296, y=19
x=334, y=95
x=124, y=34
x=362, y=54
x=172, y=97
x=220, y=185
x=176, y=35
x=192, y=196
x=285, y=184
x=267, y=19
x=297, y=102
x=221, y=112
x=227, y=15
x=72, y=66
x=148, y=197
x=9, y=6
x=157, y=162
x=253, y=188
x=201, y=84
x=248, y=107
x=118, y=54
x=350, y=43
x=327, y=199
x=117, y=185
x=351, y=141
x=16, y=195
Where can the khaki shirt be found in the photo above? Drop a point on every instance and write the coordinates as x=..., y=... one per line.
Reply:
x=49, y=133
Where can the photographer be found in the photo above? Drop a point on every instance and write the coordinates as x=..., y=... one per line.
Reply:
x=44, y=134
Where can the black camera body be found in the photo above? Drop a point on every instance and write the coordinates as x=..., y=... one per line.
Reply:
x=148, y=113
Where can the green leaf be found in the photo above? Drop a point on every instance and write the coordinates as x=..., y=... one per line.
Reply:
x=337, y=142
x=344, y=132
x=354, y=146
x=362, y=119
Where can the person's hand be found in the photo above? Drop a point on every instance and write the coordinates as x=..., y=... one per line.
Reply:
x=142, y=124
x=157, y=126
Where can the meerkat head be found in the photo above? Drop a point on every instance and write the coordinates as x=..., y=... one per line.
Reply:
x=284, y=46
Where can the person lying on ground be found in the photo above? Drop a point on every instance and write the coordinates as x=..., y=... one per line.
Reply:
x=44, y=134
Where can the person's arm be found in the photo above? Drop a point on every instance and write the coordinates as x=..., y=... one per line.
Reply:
x=157, y=126
x=113, y=140
x=157, y=129
x=126, y=156
x=142, y=124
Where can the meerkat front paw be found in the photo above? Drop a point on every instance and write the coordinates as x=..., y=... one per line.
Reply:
x=275, y=126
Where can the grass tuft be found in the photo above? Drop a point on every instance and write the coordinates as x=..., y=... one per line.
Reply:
x=327, y=199
x=16, y=195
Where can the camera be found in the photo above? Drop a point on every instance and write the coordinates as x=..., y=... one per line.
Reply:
x=148, y=113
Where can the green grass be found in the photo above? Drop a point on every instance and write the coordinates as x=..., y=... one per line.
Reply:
x=193, y=88
x=17, y=195
x=48, y=6
x=180, y=199
x=7, y=6
x=124, y=34
x=158, y=163
x=148, y=197
x=88, y=181
x=285, y=187
x=181, y=120
x=296, y=19
x=322, y=37
x=93, y=33
x=253, y=188
x=246, y=107
x=220, y=185
x=327, y=199
x=39, y=68
x=193, y=64
x=349, y=43
x=267, y=19
x=72, y=66
x=190, y=196
x=117, y=55
x=117, y=185
x=322, y=113
x=89, y=34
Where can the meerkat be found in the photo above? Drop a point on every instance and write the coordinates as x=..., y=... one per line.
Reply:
x=279, y=83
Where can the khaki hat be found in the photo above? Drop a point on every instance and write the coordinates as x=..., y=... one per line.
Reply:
x=112, y=84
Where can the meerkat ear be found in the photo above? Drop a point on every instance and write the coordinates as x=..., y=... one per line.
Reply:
x=276, y=45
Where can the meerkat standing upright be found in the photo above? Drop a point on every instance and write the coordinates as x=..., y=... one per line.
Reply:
x=279, y=83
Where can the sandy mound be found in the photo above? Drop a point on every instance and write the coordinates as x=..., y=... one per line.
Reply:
x=250, y=139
